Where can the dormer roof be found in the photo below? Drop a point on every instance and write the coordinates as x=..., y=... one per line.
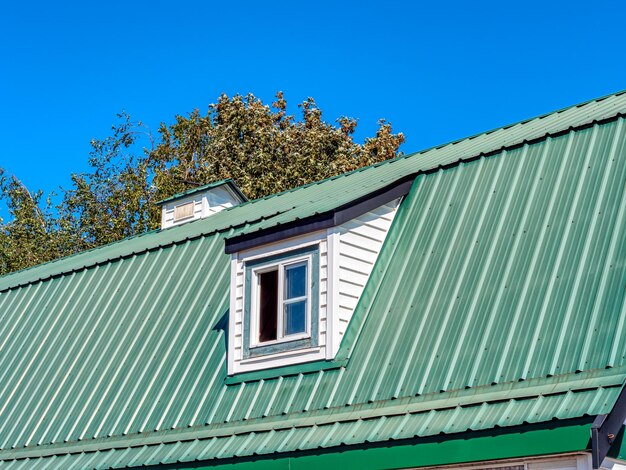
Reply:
x=229, y=182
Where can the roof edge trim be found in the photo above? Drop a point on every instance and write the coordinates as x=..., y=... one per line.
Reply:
x=215, y=184
x=409, y=405
x=519, y=442
x=321, y=221
x=573, y=432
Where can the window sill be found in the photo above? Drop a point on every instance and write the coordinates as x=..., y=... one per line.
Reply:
x=285, y=339
x=277, y=347
x=284, y=371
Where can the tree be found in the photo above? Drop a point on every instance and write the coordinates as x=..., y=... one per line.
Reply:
x=263, y=148
x=115, y=199
x=33, y=235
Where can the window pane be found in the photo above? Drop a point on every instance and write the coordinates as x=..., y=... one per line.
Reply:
x=268, y=308
x=295, y=281
x=295, y=317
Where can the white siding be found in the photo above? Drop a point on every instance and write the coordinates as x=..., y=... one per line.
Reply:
x=167, y=219
x=579, y=461
x=218, y=199
x=360, y=242
x=206, y=203
x=608, y=464
x=560, y=464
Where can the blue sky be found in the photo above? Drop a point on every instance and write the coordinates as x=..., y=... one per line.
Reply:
x=437, y=71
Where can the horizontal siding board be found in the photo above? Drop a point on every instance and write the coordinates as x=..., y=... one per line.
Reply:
x=360, y=242
x=358, y=233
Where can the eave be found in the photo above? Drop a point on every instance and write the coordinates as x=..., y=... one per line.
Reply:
x=323, y=220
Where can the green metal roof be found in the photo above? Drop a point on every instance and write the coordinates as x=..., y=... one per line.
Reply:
x=228, y=182
x=331, y=436
x=498, y=299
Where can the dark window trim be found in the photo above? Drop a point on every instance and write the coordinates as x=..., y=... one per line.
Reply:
x=321, y=221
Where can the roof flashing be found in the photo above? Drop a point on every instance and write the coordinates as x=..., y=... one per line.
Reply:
x=320, y=221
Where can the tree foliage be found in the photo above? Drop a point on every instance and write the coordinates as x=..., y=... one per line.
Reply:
x=263, y=148
x=33, y=235
x=115, y=199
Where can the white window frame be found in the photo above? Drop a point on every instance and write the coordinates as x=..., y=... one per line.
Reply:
x=255, y=301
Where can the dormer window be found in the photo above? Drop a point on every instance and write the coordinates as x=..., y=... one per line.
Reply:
x=282, y=312
x=281, y=302
x=292, y=297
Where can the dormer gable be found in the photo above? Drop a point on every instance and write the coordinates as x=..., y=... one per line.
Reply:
x=295, y=288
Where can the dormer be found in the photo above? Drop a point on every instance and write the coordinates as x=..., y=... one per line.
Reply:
x=295, y=287
x=200, y=202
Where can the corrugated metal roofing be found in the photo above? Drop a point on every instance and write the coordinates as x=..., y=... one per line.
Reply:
x=505, y=268
x=505, y=413
x=516, y=261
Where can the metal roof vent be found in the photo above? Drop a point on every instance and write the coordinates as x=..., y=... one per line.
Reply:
x=200, y=202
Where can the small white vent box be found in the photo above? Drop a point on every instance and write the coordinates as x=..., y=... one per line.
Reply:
x=199, y=202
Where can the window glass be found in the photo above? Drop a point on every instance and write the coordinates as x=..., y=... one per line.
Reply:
x=281, y=300
x=295, y=317
x=295, y=281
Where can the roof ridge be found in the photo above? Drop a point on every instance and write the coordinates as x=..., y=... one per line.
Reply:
x=438, y=146
x=428, y=158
